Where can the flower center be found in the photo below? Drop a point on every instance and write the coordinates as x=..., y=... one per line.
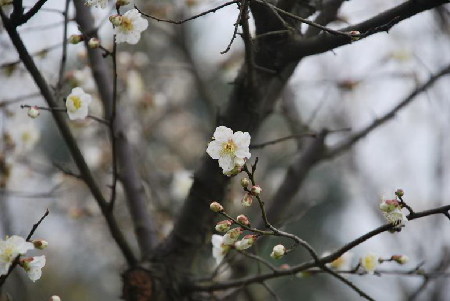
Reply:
x=126, y=24
x=229, y=147
x=76, y=101
x=7, y=253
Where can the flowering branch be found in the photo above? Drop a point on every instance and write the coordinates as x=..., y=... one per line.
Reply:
x=16, y=260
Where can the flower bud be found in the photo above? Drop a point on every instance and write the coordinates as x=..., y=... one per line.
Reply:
x=216, y=207
x=115, y=20
x=399, y=193
x=243, y=220
x=232, y=235
x=54, y=298
x=93, y=43
x=256, y=190
x=247, y=200
x=278, y=252
x=400, y=259
x=40, y=244
x=33, y=112
x=75, y=38
x=356, y=35
x=389, y=205
x=223, y=226
x=245, y=243
x=245, y=182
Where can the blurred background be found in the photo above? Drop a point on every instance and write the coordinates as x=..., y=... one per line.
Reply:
x=171, y=85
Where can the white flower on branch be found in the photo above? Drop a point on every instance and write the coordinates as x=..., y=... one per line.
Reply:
x=369, y=263
x=10, y=249
x=392, y=211
x=129, y=27
x=278, y=252
x=219, y=249
x=33, y=266
x=96, y=3
x=229, y=148
x=77, y=104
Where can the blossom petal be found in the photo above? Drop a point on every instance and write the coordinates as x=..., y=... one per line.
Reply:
x=222, y=133
x=226, y=163
x=214, y=148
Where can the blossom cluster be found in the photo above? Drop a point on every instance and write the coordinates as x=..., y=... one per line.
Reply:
x=12, y=249
x=392, y=211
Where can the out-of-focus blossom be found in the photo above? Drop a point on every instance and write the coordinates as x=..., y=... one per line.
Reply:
x=181, y=184
x=219, y=249
x=96, y=3
x=369, y=263
x=342, y=263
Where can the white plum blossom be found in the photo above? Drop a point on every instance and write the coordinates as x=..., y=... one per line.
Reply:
x=96, y=3
x=33, y=266
x=77, y=104
x=130, y=27
x=229, y=148
x=10, y=249
x=219, y=249
x=392, y=211
x=370, y=262
x=25, y=136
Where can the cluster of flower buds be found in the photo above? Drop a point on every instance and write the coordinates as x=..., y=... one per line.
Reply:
x=392, y=210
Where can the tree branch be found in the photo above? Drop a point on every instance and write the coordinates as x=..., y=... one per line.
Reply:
x=128, y=169
x=380, y=121
x=382, y=22
x=68, y=138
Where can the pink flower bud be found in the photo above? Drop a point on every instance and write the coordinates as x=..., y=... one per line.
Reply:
x=399, y=193
x=256, y=190
x=400, y=259
x=243, y=220
x=223, y=226
x=40, y=244
x=246, y=242
x=247, y=200
x=216, y=207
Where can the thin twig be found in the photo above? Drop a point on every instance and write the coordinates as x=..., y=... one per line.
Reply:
x=62, y=65
x=236, y=27
x=213, y=10
x=295, y=136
